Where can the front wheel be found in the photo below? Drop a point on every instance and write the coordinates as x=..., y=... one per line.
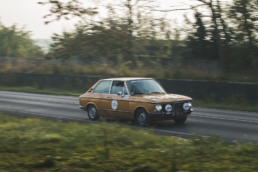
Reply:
x=180, y=120
x=142, y=118
x=92, y=113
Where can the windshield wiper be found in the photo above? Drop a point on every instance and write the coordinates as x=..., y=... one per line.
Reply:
x=138, y=93
x=157, y=93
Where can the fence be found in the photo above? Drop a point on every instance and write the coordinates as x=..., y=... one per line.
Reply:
x=202, y=90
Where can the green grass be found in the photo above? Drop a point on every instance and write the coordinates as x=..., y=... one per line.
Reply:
x=39, y=145
x=246, y=106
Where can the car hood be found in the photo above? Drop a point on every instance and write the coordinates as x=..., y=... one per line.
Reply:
x=166, y=98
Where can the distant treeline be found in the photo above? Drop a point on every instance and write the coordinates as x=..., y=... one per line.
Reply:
x=225, y=33
x=16, y=42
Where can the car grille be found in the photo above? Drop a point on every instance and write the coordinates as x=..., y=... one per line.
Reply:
x=178, y=106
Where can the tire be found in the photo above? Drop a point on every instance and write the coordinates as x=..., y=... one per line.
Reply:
x=180, y=120
x=142, y=117
x=92, y=113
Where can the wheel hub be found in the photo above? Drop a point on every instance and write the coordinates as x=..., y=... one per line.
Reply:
x=142, y=118
x=92, y=112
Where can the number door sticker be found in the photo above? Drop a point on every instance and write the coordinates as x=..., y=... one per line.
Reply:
x=114, y=104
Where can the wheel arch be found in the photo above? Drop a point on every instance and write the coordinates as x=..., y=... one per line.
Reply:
x=90, y=103
x=140, y=107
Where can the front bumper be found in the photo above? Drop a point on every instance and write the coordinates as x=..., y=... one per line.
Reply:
x=169, y=115
x=82, y=107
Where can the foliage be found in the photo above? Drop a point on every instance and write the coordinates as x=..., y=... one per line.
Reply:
x=200, y=45
x=131, y=31
x=128, y=32
x=15, y=42
x=244, y=14
x=37, y=145
x=145, y=68
x=67, y=10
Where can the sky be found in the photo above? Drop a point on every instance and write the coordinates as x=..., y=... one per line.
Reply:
x=30, y=14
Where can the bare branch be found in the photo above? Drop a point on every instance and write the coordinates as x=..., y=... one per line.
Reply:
x=182, y=9
x=73, y=8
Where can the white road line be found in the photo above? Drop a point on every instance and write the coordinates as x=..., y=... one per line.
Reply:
x=228, y=119
x=45, y=115
x=212, y=110
x=52, y=101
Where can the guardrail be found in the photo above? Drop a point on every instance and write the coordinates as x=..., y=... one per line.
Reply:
x=202, y=90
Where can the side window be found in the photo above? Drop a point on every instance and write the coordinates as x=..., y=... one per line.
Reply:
x=103, y=87
x=118, y=86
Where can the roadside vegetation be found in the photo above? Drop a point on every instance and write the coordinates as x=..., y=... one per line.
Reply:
x=39, y=145
x=155, y=70
x=16, y=42
x=137, y=38
x=135, y=31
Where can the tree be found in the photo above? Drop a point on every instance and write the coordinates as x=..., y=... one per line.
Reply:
x=90, y=41
x=244, y=14
x=218, y=27
x=199, y=46
x=128, y=25
x=15, y=42
x=218, y=34
x=68, y=10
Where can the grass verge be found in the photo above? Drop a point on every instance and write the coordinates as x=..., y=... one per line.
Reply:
x=39, y=145
x=208, y=104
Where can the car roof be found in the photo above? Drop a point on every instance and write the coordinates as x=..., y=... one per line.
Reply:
x=126, y=79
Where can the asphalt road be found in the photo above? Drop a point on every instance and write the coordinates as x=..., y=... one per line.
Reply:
x=230, y=125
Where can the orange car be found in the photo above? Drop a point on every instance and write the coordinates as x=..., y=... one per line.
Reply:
x=140, y=99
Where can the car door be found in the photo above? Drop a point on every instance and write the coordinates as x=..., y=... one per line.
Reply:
x=102, y=93
x=119, y=100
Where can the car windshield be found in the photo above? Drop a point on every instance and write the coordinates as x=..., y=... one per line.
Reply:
x=144, y=87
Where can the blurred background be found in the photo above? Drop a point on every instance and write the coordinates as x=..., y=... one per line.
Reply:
x=205, y=49
x=211, y=40
x=195, y=39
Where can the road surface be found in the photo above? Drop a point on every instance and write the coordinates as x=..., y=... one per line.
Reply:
x=228, y=124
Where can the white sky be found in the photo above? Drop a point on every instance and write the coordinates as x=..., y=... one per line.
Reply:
x=30, y=14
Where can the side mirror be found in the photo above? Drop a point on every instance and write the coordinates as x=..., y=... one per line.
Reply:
x=119, y=93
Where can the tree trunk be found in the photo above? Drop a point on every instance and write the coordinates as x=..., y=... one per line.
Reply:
x=251, y=59
x=217, y=35
x=227, y=39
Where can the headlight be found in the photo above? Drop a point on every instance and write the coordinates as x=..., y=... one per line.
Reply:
x=187, y=106
x=158, y=107
x=168, y=108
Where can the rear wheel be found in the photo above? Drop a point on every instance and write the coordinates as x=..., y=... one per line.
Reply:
x=92, y=113
x=142, y=118
x=180, y=120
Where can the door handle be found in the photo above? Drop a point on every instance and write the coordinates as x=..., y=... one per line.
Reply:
x=109, y=97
